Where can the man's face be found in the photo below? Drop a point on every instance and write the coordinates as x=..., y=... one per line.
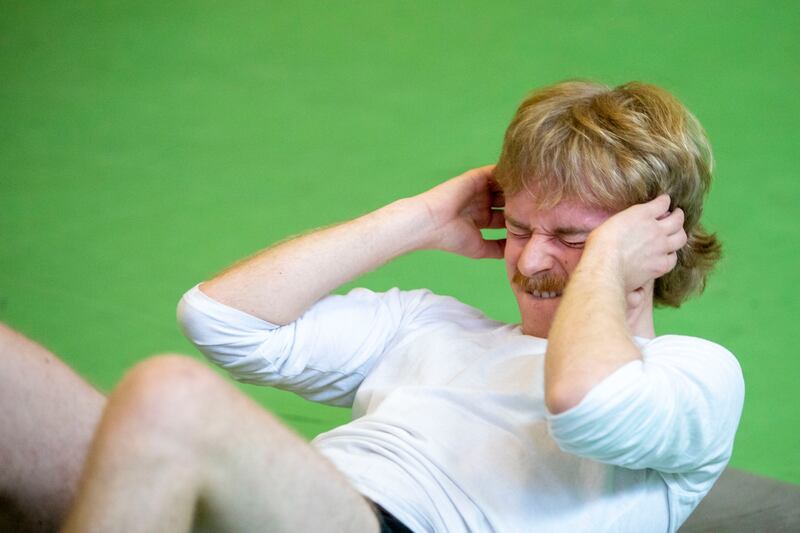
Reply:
x=543, y=247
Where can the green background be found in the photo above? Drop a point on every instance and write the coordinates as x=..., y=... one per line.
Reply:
x=144, y=146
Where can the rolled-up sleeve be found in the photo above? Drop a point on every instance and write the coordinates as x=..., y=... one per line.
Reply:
x=674, y=411
x=323, y=356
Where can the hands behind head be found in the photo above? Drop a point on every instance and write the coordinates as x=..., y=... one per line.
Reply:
x=643, y=240
x=459, y=208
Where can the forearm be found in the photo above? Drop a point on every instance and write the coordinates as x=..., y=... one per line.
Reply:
x=609, y=299
x=280, y=283
x=589, y=338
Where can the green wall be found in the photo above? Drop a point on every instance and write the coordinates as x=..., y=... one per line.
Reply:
x=146, y=145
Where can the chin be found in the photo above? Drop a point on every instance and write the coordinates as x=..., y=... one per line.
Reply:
x=537, y=314
x=536, y=330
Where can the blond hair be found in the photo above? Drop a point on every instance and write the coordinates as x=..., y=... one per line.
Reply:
x=613, y=148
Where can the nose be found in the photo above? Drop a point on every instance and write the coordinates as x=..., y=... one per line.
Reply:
x=537, y=256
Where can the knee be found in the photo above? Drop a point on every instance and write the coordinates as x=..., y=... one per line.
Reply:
x=9, y=339
x=166, y=394
x=167, y=375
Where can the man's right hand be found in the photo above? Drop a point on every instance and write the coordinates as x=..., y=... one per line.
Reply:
x=459, y=208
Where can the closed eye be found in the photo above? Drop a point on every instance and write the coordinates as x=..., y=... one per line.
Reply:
x=572, y=244
x=518, y=234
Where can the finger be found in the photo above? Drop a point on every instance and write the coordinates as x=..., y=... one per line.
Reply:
x=481, y=178
x=498, y=219
x=673, y=223
x=635, y=298
x=501, y=244
x=676, y=241
x=659, y=206
x=484, y=172
x=498, y=199
x=671, y=261
x=492, y=249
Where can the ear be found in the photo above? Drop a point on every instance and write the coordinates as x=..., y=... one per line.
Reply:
x=639, y=298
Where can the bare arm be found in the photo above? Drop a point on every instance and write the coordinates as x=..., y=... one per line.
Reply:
x=609, y=299
x=281, y=282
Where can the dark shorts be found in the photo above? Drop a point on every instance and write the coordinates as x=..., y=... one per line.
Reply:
x=389, y=524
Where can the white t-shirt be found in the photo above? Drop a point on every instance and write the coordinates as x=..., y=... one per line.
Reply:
x=450, y=432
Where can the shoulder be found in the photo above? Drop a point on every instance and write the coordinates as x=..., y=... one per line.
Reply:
x=416, y=302
x=707, y=368
x=689, y=349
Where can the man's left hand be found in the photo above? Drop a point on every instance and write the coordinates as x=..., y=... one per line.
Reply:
x=642, y=241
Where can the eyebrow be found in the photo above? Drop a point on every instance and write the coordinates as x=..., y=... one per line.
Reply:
x=560, y=230
x=514, y=222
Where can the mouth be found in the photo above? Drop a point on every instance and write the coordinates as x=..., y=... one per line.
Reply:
x=545, y=295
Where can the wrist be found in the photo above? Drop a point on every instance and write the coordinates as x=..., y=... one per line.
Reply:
x=409, y=223
x=601, y=265
x=421, y=222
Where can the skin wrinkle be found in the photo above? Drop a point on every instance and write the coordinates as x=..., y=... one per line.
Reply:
x=614, y=148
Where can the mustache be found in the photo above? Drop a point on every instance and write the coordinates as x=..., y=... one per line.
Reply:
x=542, y=283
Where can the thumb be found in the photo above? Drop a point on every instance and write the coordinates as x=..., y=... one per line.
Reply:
x=492, y=249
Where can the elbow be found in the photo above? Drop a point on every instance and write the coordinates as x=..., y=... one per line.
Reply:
x=182, y=314
x=561, y=397
x=190, y=321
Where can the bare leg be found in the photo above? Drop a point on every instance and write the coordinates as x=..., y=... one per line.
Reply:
x=47, y=417
x=178, y=447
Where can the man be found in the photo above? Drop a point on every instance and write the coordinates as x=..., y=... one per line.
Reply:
x=579, y=418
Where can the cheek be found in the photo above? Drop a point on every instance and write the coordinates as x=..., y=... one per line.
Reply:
x=570, y=260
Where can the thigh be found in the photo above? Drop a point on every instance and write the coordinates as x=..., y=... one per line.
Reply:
x=47, y=417
x=255, y=473
x=267, y=475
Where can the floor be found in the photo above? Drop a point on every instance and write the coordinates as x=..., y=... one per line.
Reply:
x=745, y=502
